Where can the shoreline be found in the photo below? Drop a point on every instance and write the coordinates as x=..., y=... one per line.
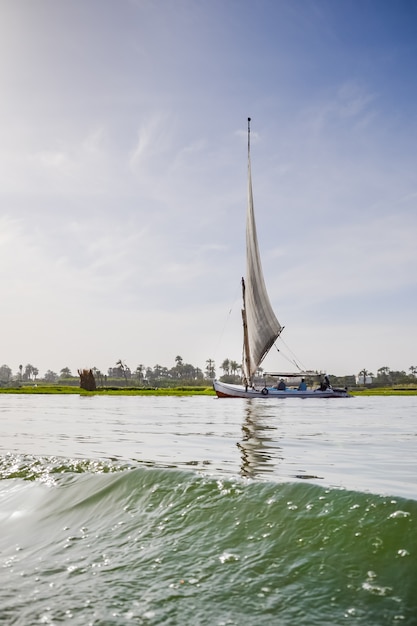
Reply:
x=173, y=391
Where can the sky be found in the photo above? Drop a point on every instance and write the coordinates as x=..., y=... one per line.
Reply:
x=123, y=184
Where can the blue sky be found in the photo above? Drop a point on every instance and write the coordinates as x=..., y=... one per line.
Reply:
x=123, y=179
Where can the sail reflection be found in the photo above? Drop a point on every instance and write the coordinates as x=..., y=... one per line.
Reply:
x=259, y=450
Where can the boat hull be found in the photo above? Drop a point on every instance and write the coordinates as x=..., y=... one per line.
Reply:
x=226, y=390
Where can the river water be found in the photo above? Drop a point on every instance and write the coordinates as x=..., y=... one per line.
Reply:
x=195, y=510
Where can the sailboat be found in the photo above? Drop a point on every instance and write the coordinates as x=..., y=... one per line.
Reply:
x=261, y=329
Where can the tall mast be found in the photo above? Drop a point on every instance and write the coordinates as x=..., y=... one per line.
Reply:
x=246, y=350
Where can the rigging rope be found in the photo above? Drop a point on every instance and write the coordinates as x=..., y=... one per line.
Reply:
x=294, y=360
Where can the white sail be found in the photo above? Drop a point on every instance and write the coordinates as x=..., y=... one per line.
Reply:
x=261, y=327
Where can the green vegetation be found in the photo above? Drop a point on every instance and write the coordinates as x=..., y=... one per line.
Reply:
x=163, y=391
x=185, y=379
x=385, y=391
x=181, y=374
x=176, y=391
x=109, y=391
x=38, y=389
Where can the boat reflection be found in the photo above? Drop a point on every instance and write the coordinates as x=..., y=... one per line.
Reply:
x=260, y=452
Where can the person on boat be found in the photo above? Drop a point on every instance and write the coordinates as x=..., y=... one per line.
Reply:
x=325, y=383
x=302, y=386
x=281, y=385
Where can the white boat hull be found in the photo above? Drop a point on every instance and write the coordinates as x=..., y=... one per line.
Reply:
x=226, y=390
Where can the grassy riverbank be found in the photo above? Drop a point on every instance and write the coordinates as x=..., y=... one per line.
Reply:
x=109, y=391
x=385, y=391
x=175, y=391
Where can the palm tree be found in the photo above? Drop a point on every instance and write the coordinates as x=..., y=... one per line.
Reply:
x=178, y=367
x=157, y=370
x=139, y=372
x=123, y=368
x=234, y=366
x=29, y=370
x=50, y=377
x=5, y=373
x=98, y=375
x=383, y=371
x=413, y=370
x=210, y=371
x=364, y=374
x=225, y=366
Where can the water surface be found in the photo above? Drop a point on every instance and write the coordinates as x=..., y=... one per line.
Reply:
x=166, y=511
x=358, y=443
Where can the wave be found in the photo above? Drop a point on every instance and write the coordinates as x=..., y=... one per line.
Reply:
x=168, y=546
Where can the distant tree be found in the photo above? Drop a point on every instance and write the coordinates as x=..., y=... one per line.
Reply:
x=30, y=372
x=399, y=377
x=225, y=366
x=188, y=371
x=5, y=373
x=65, y=372
x=210, y=368
x=363, y=374
x=348, y=381
x=234, y=367
x=413, y=370
x=50, y=377
x=383, y=375
x=178, y=370
x=230, y=369
x=139, y=372
x=198, y=373
x=124, y=369
x=98, y=376
x=20, y=371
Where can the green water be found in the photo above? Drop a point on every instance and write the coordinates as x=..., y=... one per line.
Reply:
x=106, y=539
x=168, y=547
